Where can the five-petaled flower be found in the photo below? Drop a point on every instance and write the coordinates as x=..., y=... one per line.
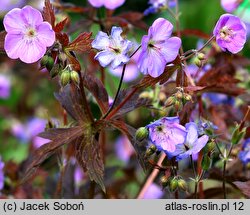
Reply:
x=166, y=133
x=28, y=35
x=192, y=144
x=230, y=33
x=110, y=4
x=114, y=50
x=158, y=48
x=158, y=5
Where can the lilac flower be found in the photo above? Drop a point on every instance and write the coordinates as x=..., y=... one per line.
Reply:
x=124, y=148
x=230, y=5
x=154, y=192
x=114, y=50
x=244, y=155
x=158, y=48
x=1, y=174
x=192, y=145
x=27, y=35
x=110, y=4
x=230, y=33
x=29, y=131
x=131, y=72
x=5, y=85
x=158, y=5
x=166, y=133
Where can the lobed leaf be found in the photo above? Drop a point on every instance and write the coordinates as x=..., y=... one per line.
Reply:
x=59, y=26
x=81, y=44
x=96, y=87
x=48, y=13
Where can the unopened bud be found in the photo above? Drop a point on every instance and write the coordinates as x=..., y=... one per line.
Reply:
x=141, y=133
x=210, y=146
x=179, y=95
x=177, y=105
x=182, y=184
x=146, y=95
x=201, y=56
x=198, y=62
x=50, y=63
x=74, y=76
x=44, y=60
x=170, y=101
x=187, y=97
x=65, y=77
x=173, y=184
x=164, y=181
x=151, y=150
x=162, y=97
x=54, y=71
x=62, y=57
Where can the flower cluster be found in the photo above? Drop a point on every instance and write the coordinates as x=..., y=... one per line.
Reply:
x=230, y=33
x=174, y=139
x=111, y=4
x=157, y=48
x=28, y=35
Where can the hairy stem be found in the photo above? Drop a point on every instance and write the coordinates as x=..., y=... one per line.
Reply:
x=151, y=178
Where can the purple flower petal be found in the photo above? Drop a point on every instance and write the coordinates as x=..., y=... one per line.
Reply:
x=161, y=30
x=31, y=16
x=46, y=34
x=13, y=22
x=170, y=48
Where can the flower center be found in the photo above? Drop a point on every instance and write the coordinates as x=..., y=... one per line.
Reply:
x=30, y=33
x=226, y=33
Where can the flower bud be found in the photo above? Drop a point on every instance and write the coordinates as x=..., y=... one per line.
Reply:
x=170, y=101
x=151, y=150
x=162, y=97
x=44, y=60
x=50, y=63
x=146, y=95
x=201, y=56
x=141, y=133
x=198, y=62
x=209, y=146
x=74, y=76
x=179, y=95
x=187, y=97
x=182, y=184
x=65, y=77
x=177, y=105
x=164, y=181
x=173, y=184
x=62, y=57
x=54, y=71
